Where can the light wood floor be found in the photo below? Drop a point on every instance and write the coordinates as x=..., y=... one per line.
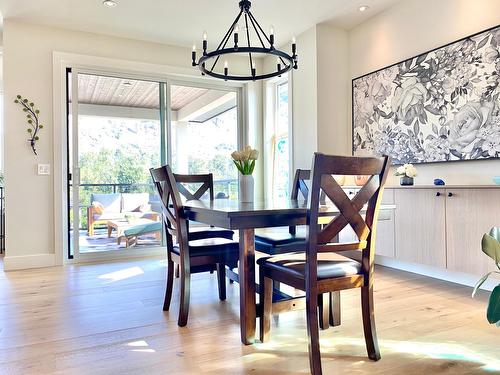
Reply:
x=107, y=319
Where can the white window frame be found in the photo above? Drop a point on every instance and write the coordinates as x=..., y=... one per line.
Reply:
x=270, y=124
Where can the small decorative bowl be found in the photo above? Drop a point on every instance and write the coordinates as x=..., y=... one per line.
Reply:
x=496, y=180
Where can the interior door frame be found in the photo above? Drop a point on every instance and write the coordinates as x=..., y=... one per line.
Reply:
x=122, y=69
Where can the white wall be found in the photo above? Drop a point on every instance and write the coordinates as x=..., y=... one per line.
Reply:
x=304, y=106
x=333, y=82
x=28, y=70
x=410, y=28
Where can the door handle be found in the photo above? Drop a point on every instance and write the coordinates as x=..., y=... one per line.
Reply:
x=438, y=194
x=450, y=194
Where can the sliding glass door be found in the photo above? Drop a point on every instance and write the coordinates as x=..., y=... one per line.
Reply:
x=119, y=128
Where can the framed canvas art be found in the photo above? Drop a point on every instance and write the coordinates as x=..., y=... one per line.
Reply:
x=442, y=105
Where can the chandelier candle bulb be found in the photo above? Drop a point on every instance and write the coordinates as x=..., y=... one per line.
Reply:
x=271, y=35
x=253, y=69
x=226, y=68
x=294, y=46
x=205, y=43
x=236, y=31
x=193, y=56
x=278, y=65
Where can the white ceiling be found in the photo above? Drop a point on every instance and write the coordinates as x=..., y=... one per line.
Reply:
x=182, y=22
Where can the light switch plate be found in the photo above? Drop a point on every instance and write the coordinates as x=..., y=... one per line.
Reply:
x=43, y=169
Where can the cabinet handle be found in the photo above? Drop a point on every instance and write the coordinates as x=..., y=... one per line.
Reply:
x=438, y=194
x=450, y=194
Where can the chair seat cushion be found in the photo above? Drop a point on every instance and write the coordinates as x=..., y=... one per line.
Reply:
x=279, y=240
x=330, y=265
x=211, y=247
x=201, y=232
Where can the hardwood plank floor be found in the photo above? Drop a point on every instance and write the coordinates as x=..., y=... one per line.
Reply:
x=107, y=319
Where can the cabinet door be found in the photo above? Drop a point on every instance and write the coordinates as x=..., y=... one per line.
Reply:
x=420, y=226
x=384, y=243
x=469, y=214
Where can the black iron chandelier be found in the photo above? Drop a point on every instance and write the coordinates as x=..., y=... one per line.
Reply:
x=209, y=62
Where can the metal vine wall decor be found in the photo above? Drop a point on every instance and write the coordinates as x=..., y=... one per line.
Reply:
x=32, y=118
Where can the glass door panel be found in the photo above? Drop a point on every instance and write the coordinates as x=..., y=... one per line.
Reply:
x=116, y=138
x=203, y=133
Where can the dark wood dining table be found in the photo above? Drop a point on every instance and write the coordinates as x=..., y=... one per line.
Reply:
x=246, y=217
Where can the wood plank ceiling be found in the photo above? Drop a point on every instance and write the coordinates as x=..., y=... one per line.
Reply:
x=101, y=90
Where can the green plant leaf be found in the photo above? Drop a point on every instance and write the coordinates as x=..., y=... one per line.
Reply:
x=495, y=233
x=238, y=165
x=493, y=312
x=491, y=247
x=481, y=282
x=252, y=166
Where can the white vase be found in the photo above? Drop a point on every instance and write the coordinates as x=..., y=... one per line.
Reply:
x=246, y=188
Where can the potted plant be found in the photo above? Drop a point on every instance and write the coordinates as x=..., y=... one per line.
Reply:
x=245, y=162
x=490, y=245
x=407, y=173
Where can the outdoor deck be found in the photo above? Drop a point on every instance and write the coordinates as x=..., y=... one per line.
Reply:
x=100, y=242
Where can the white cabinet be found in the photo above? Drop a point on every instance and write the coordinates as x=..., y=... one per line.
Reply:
x=420, y=226
x=384, y=243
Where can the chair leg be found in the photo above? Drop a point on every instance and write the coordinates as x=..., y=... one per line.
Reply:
x=369, y=323
x=335, y=312
x=231, y=281
x=177, y=271
x=266, y=303
x=313, y=334
x=170, y=284
x=324, y=310
x=221, y=280
x=185, y=292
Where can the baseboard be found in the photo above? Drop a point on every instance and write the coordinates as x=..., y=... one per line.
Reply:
x=11, y=263
x=435, y=272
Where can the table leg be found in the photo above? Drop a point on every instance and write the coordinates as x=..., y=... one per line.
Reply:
x=110, y=228
x=247, y=286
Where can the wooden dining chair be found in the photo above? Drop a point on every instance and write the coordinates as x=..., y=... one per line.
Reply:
x=321, y=269
x=193, y=255
x=281, y=240
x=193, y=187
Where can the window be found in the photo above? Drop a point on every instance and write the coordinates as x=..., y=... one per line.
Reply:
x=278, y=141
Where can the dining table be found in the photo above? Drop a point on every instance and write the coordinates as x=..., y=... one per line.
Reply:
x=245, y=218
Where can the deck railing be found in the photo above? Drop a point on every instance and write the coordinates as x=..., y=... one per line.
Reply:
x=222, y=189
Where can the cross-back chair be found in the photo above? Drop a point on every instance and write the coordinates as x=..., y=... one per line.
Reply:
x=193, y=187
x=193, y=255
x=274, y=241
x=321, y=269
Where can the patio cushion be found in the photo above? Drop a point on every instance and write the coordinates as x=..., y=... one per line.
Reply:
x=109, y=216
x=142, y=229
x=134, y=201
x=110, y=202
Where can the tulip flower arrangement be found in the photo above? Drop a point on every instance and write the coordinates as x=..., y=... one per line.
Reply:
x=245, y=160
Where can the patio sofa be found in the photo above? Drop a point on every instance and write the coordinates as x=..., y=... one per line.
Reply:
x=116, y=206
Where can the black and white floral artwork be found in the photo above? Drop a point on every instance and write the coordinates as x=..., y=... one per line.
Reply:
x=440, y=106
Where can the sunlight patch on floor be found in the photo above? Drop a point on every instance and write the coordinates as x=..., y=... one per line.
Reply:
x=122, y=274
x=444, y=351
